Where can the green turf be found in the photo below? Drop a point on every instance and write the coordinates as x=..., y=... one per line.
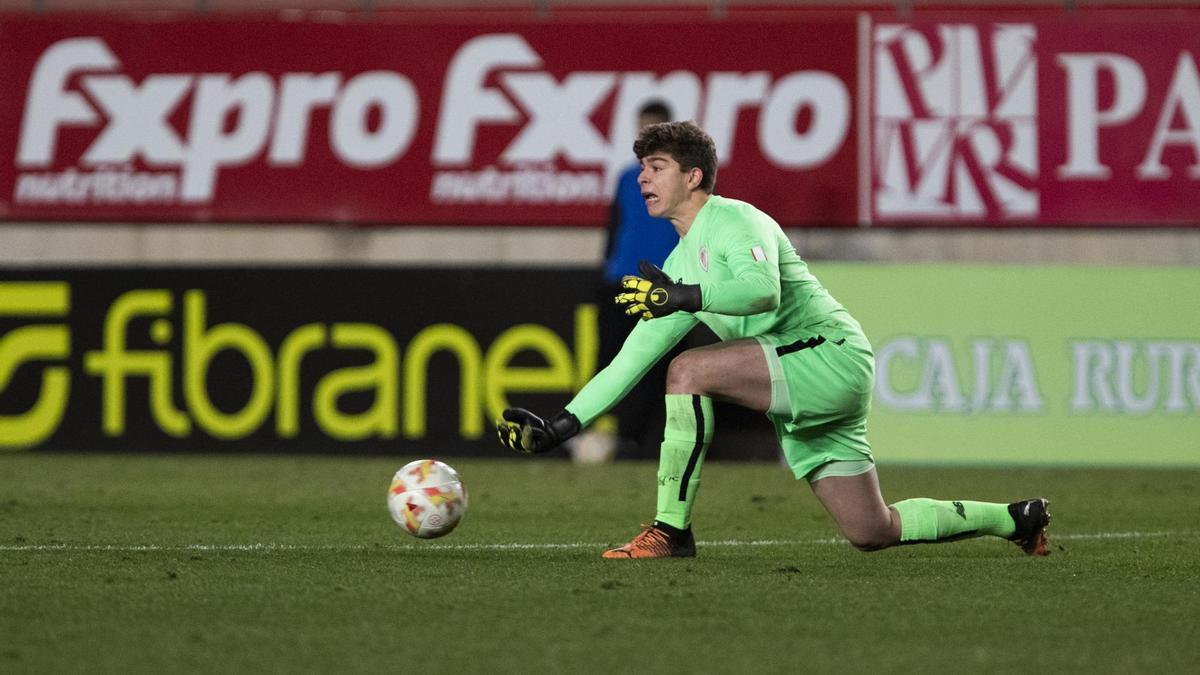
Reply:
x=120, y=563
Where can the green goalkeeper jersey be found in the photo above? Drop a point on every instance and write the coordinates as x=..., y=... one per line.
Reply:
x=752, y=283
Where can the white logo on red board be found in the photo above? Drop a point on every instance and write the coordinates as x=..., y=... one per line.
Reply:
x=954, y=121
x=490, y=82
x=164, y=138
x=138, y=156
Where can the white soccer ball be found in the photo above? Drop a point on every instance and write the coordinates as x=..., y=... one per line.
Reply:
x=427, y=498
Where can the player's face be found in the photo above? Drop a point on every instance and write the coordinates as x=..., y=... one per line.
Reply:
x=664, y=184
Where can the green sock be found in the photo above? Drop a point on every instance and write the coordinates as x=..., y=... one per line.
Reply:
x=686, y=437
x=927, y=520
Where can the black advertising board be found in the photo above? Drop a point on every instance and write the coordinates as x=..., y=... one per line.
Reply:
x=286, y=359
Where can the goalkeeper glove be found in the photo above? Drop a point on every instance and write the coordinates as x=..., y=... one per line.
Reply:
x=525, y=432
x=654, y=294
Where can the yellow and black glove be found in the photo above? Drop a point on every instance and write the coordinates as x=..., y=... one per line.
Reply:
x=655, y=294
x=525, y=432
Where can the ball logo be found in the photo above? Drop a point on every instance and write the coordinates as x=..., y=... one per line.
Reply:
x=658, y=296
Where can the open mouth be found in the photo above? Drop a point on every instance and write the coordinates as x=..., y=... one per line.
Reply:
x=650, y=198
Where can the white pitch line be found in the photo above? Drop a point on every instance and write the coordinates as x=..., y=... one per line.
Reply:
x=516, y=546
x=364, y=547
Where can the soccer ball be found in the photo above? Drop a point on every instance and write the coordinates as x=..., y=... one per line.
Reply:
x=427, y=499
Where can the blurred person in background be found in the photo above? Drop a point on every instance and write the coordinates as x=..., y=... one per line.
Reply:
x=789, y=350
x=633, y=235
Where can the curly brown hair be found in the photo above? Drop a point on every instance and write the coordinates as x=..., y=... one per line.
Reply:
x=686, y=143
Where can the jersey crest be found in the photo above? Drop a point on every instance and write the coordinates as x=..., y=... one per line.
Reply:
x=704, y=258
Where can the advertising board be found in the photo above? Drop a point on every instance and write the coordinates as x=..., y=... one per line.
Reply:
x=821, y=118
x=973, y=363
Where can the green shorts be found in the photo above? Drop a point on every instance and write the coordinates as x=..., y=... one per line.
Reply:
x=820, y=397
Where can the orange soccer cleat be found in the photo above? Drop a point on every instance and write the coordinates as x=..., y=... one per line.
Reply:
x=657, y=540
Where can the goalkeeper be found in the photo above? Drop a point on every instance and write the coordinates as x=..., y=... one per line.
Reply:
x=788, y=349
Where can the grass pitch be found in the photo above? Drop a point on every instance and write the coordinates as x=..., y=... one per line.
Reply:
x=285, y=563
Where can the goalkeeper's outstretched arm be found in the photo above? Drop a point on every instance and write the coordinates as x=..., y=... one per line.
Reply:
x=527, y=432
x=646, y=344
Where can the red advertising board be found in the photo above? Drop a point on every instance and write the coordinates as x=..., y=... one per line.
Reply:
x=410, y=122
x=998, y=117
x=1087, y=119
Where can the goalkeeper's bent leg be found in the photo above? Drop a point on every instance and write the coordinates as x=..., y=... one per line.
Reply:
x=686, y=437
x=930, y=520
